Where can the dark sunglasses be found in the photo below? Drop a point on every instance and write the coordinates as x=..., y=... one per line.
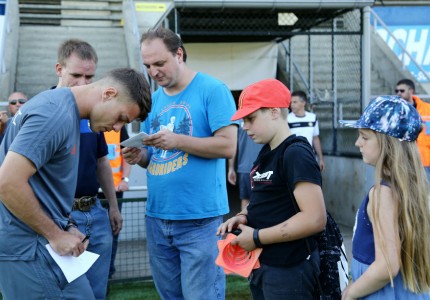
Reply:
x=21, y=101
x=401, y=91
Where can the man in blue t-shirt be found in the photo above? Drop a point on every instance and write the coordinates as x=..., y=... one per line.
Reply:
x=191, y=135
x=39, y=168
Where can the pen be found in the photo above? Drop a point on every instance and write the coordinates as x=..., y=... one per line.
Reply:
x=86, y=238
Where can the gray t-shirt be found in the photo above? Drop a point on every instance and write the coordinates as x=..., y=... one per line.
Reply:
x=46, y=131
x=247, y=151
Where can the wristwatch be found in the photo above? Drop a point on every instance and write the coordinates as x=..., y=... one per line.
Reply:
x=125, y=179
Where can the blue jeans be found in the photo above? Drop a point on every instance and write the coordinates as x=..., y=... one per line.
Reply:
x=40, y=278
x=112, y=268
x=278, y=283
x=182, y=257
x=96, y=223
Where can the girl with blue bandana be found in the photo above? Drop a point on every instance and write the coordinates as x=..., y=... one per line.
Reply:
x=390, y=246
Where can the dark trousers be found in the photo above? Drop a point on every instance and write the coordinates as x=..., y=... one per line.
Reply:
x=279, y=283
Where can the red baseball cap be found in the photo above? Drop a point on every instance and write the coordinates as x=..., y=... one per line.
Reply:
x=266, y=93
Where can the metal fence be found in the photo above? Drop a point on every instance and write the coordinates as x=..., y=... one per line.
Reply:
x=132, y=260
x=326, y=62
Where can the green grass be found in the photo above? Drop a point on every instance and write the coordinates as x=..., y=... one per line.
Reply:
x=237, y=289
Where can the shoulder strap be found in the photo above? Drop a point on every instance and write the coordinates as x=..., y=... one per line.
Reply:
x=302, y=141
x=289, y=188
x=296, y=206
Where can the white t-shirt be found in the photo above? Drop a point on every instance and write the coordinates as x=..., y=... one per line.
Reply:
x=306, y=126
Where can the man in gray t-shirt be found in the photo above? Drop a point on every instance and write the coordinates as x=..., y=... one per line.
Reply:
x=39, y=161
x=247, y=152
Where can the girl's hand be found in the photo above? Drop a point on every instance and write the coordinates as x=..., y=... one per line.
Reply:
x=345, y=293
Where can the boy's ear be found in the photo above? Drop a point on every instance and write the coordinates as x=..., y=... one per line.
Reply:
x=275, y=112
x=109, y=93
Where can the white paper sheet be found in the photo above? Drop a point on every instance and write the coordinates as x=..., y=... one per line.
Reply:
x=73, y=267
x=135, y=141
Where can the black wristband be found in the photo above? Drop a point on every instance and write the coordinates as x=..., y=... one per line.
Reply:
x=70, y=223
x=256, y=238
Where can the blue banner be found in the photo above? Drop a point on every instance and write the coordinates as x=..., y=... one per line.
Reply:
x=411, y=27
x=404, y=15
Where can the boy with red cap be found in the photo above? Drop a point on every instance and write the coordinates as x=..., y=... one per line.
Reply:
x=286, y=208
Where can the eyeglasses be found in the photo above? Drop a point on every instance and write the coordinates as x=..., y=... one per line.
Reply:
x=21, y=101
x=399, y=90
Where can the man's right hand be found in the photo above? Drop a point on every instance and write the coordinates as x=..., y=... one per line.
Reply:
x=69, y=243
x=3, y=120
x=132, y=155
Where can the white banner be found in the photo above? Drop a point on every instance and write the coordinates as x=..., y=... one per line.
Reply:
x=236, y=64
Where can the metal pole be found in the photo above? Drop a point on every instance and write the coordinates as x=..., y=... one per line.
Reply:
x=310, y=65
x=334, y=62
x=365, y=58
x=290, y=64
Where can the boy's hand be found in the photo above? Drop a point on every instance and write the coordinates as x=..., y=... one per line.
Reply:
x=245, y=239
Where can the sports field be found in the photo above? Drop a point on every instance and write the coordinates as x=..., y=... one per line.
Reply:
x=237, y=289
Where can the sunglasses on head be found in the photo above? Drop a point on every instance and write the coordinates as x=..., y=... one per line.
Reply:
x=21, y=101
x=400, y=90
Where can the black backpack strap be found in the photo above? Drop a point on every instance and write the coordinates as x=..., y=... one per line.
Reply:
x=296, y=207
x=306, y=145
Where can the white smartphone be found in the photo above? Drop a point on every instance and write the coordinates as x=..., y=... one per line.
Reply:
x=135, y=141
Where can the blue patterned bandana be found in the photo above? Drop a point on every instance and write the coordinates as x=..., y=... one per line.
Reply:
x=390, y=115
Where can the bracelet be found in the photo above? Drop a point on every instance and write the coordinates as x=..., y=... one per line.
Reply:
x=242, y=214
x=256, y=239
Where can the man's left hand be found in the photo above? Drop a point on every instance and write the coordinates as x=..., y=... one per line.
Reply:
x=115, y=221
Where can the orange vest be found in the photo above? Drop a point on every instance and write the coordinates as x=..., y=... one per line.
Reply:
x=114, y=155
x=423, y=140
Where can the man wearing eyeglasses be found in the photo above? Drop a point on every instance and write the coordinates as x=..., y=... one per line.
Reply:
x=405, y=88
x=15, y=101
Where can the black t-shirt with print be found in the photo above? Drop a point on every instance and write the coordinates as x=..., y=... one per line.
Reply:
x=270, y=202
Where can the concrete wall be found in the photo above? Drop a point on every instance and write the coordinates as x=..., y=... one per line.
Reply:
x=345, y=183
x=10, y=43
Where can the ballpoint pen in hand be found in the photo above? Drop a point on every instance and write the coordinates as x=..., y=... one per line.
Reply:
x=86, y=238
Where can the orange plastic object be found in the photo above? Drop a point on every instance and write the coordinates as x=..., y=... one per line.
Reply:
x=235, y=259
